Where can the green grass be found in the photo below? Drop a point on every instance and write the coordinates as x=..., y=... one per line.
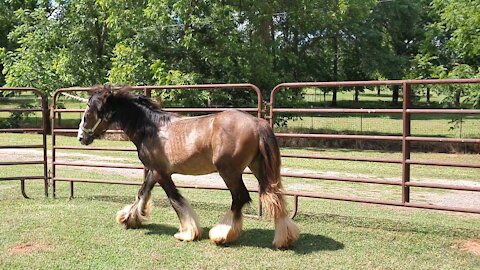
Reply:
x=46, y=233
x=369, y=98
x=82, y=234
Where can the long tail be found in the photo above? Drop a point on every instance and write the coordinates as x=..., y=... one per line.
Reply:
x=286, y=232
x=271, y=184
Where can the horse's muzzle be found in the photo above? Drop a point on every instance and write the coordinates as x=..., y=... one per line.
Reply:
x=85, y=140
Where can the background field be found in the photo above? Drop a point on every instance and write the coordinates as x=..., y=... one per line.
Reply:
x=441, y=125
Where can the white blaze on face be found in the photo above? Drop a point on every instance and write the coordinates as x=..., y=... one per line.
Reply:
x=80, y=131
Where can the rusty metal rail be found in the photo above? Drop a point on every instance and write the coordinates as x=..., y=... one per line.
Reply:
x=147, y=91
x=43, y=108
x=406, y=138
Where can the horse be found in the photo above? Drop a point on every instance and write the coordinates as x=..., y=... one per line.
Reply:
x=168, y=143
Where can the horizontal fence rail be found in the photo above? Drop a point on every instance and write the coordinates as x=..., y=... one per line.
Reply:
x=43, y=130
x=405, y=139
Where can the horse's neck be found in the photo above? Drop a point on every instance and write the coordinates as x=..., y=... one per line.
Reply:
x=138, y=123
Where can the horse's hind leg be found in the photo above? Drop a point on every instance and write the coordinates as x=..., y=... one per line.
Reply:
x=229, y=228
x=133, y=215
x=286, y=232
x=190, y=229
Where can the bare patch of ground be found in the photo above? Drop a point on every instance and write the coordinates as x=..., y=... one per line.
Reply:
x=470, y=246
x=27, y=248
x=29, y=154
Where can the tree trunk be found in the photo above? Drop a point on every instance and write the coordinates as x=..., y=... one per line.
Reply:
x=428, y=94
x=458, y=94
x=334, y=97
x=335, y=69
x=396, y=89
x=378, y=90
x=357, y=93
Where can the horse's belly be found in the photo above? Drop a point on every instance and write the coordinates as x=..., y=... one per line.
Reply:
x=193, y=166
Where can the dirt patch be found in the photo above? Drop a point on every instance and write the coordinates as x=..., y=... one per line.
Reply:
x=29, y=154
x=28, y=248
x=470, y=246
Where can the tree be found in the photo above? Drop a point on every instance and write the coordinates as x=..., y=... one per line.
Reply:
x=7, y=24
x=451, y=48
x=31, y=64
x=55, y=44
x=401, y=23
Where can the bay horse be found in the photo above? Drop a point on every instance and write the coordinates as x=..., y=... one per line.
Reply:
x=167, y=143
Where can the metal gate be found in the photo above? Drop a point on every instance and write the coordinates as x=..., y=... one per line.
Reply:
x=406, y=139
x=43, y=130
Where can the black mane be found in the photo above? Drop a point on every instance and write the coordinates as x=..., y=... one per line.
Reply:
x=137, y=115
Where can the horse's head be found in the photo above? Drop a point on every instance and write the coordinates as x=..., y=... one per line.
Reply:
x=97, y=116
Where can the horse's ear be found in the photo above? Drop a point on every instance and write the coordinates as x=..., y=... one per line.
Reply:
x=107, y=92
x=95, y=89
x=108, y=88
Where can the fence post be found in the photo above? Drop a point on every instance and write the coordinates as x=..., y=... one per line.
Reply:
x=406, y=119
x=53, y=117
x=45, y=123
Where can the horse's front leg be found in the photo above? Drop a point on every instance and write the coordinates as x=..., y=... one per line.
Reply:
x=190, y=229
x=133, y=215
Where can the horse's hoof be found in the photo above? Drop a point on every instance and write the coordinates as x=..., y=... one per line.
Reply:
x=125, y=218
x=286, y=233
x=186, y=236
x=122, y=216
x=223, y=234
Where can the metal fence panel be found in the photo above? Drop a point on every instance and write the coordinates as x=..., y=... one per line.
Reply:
x=43, y=130
x=406, y=139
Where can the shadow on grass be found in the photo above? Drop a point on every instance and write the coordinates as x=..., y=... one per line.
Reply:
x=261, y=238
x=160, y=202
x=434, y=227
x=158, y=229
x=307, y=243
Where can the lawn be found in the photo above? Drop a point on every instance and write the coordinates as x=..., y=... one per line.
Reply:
x=46, y=233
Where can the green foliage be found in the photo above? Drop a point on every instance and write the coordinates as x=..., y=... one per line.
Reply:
x=16, y=118
x=128, y=64
x=51, y=44
x=30, y=65
x=451, y=49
